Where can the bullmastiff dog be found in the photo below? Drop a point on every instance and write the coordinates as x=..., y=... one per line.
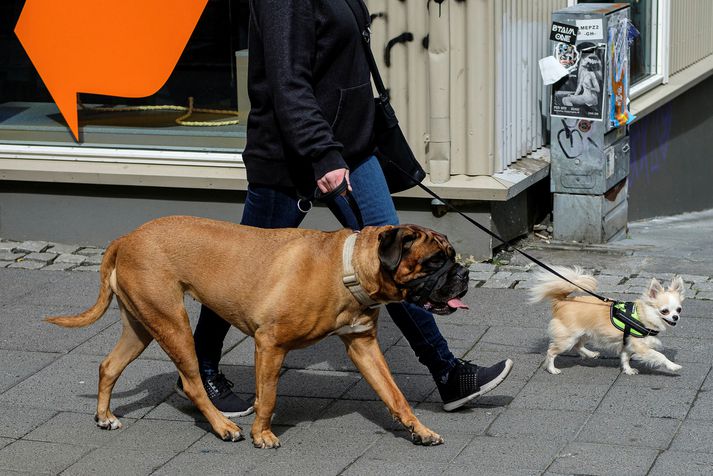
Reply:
x=287, y=288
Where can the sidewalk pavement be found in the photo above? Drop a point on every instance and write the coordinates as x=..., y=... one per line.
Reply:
x=589, y=420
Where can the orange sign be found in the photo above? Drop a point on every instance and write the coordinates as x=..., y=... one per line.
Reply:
x=124, y=48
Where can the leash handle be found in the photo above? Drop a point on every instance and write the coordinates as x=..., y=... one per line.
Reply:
x=341, y=189
x=496, y=236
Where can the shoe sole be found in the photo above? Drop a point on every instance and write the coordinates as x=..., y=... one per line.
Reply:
x=450, y=406
x=247, y=412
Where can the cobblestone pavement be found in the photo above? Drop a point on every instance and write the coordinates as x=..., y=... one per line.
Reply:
x=590, y=420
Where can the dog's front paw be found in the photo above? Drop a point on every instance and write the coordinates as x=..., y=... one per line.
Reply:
x=630, y=371
x=426, y=437
x=265, y=439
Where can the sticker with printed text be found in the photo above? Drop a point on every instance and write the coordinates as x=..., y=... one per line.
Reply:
x=563, y=33
x=590, y=30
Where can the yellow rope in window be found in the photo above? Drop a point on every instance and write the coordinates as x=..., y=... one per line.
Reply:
x=181, y=121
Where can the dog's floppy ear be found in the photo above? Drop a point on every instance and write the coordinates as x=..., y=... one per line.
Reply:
x=655, y=289
x=392, y=243
x=676, y=286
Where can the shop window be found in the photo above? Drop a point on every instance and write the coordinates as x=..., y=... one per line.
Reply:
x=205, y=72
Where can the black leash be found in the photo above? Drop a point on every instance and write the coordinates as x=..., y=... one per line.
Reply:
x=334, y=193
x=496, y=236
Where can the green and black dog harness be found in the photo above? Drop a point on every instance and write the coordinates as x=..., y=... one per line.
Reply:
x=625, y=317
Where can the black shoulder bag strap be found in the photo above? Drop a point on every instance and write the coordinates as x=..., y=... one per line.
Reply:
x=364, y=23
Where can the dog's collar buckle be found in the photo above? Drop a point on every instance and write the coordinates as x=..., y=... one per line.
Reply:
x=349, y=275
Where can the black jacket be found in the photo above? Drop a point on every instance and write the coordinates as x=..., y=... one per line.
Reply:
x=312, y=108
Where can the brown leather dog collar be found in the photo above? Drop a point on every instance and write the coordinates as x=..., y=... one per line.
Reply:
x=349, y=275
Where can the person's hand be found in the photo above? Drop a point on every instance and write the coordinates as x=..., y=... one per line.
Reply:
x=334, y=179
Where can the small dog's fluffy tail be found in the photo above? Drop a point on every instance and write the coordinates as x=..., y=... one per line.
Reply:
x=552, y=287
x=93, y=314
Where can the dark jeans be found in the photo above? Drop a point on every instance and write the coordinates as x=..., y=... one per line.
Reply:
x=269, y=207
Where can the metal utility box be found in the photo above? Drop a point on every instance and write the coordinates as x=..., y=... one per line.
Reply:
x=589, y=112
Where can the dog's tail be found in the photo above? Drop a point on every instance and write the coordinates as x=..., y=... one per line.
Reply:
x=93, y=314
x=552, y=287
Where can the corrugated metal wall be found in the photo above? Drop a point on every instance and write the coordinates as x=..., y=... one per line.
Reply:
x=691, y=33
x=469, y=98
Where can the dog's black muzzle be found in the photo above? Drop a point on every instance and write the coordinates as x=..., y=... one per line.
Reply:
x=435, y=290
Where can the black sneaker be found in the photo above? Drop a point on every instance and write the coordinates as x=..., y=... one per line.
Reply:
x=468, y=381
x=219, y=391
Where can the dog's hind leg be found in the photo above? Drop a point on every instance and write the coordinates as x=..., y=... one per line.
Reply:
x=583, y=351
x=364, y=351
x=166, y=319
x=134, y=339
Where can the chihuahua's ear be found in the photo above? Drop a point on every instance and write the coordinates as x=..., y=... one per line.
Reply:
x=677, y=286
x=655, y=289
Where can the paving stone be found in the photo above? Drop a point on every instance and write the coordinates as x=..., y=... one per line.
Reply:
x=367, y=466
x=17, y=420
x=482, y=267
x=457, y=470
x=620, y=430
x=554, y=395
x=707, y=286
x=61, y=248
x=687, y=349
x=70, y=384
x=93, y=269
x=657, y=402
x=471, y=419
x=358, y=414
x=414, y=387
x=8, y=245
x=32, y=246
x=507, y=454
x=6, y=441
x=517, y=339
x=59, y=267
x=480, y=275
x=592, y=458
x=7, y=255
x=18, y=365
x=94, y=259
x=312, y=383
x=518, y=422
x=27, y=265
x=496, y=283
x=680, y=462
x=703, y=407
x=694, y=436
x=24, y=456
x=162, y=435
x=576, y=370
x=89, y=250
x=77, y=428
x=704, y=295
x=121, y=462
x=694, y=278
x=5, y=264
x=69, y=258
x=609, y=280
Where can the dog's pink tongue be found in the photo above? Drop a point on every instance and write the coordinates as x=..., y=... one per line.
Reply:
x=456, y=303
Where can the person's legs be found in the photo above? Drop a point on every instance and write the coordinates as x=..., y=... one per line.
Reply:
x=458, y=381
x=265, y=207
x=371, y=194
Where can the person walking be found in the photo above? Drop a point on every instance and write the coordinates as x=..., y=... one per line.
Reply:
x=311, y=125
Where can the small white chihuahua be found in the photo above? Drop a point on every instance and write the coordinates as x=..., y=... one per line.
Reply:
x=581, y=319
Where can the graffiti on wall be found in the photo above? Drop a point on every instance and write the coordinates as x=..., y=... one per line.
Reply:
x=650, y=138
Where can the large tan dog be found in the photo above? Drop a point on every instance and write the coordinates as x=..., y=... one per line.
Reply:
x=283, y=287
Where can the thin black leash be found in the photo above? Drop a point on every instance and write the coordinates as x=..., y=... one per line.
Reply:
x=496, y=236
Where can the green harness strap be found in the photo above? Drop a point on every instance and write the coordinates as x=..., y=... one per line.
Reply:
x=625, y=317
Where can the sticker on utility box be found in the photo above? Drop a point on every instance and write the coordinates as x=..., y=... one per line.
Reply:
x=563, y=33
x=590, y=30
